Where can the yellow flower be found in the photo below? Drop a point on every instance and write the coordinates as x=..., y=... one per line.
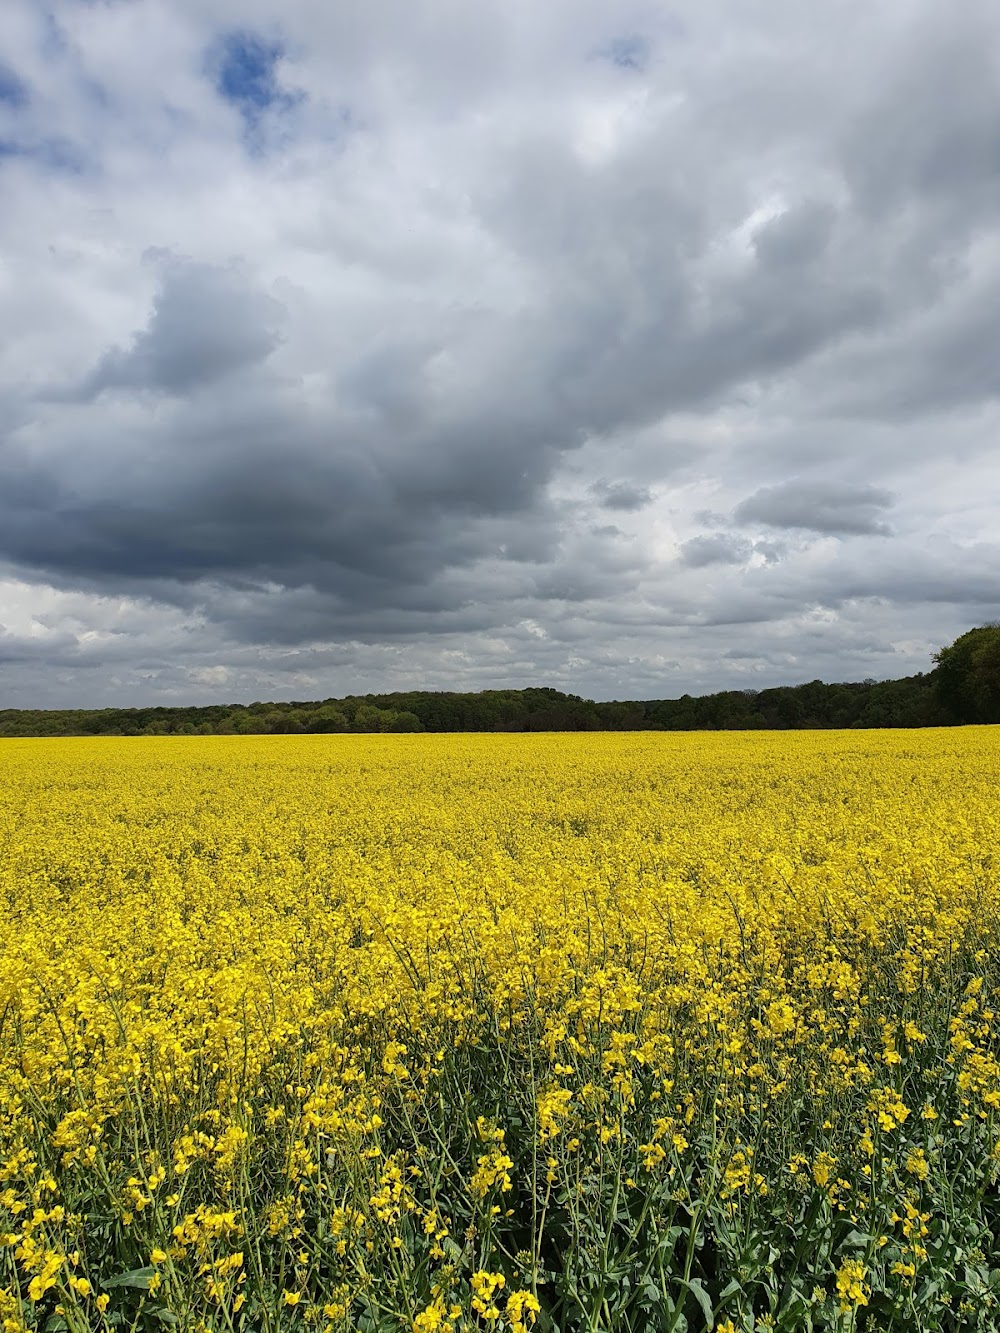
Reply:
x=823, y=1168
x=852, y=1290
x=521, y=1311
x=916, y=1163
x=233, y=967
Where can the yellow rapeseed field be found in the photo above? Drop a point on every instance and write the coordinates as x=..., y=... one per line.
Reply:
x=500, y=1032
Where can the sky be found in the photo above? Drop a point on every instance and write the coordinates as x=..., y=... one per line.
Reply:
x=628, y=348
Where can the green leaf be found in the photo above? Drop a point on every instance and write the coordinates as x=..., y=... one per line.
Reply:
x=651, y=1292
x=795, y=1317
x=138, y=1277
x=732, y=1288
x=697, y=1289
x=856, y=1240
x=546, y=1324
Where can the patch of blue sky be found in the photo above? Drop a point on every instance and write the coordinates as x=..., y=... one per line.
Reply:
x=246, y=70
x=245, y=75
x=13, y=90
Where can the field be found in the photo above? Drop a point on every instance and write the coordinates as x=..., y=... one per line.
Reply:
x=636, y=1032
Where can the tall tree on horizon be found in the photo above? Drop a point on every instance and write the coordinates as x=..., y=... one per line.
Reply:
x=967, y=675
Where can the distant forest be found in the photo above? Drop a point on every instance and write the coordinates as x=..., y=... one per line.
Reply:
x=963, y=687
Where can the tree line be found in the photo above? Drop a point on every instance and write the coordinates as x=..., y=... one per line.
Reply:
x=963, y=687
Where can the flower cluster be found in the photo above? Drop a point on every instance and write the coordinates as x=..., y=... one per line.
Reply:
x=500, y=1032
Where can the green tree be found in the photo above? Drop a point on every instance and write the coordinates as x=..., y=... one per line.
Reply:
x=967, y=676
x=327, y=718
x=368, y=718
x=404, y=721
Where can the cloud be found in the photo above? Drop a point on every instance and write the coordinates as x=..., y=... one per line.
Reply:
x=621, y=495
x=796, y=237
x=631, y=52
x=207, y=323
x=342, y=335
x=717, y=548
x=819, y=506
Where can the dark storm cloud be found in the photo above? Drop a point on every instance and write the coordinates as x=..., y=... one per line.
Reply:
x=828, y=507
x=948, y=363
x=795, y=238
x=931, y=131
x=206, y=324
x=262, y=494
x=662, y=321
